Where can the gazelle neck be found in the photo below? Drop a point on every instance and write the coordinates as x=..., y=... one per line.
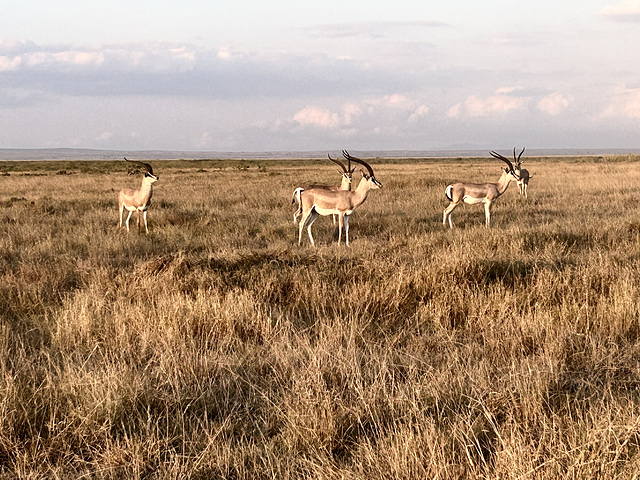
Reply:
x=346, y=183
x=503, y=183
x=361, y=192
x=147, y=186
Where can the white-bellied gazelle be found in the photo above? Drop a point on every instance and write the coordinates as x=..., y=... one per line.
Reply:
x=475, y=193
x=339, y=202
x=522, y=173
x=138, y=200
x=346, y=173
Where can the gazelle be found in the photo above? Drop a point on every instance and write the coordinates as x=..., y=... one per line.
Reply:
x=138, y=200
x=318, y=201
x=523, y=174
x=345, y=184
x=474, y=193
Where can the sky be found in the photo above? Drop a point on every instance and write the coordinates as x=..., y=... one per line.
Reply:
x=282, y=75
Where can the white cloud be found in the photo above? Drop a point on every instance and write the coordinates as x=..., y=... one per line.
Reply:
x=625, y=103
x=104, y=136
x=628, y=11
x=380, y=108
x=419, y=112
x=507, y=90
x=555, y=103
x=319, y=117
x=10, y=64
x=78, y=58
x=205, y=141
x=395, y=100
x=224, y=53
x=482, y=107
x=183, y=53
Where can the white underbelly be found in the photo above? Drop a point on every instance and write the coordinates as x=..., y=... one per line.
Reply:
x=131, y=208
x=471, y=200
x=326, y=211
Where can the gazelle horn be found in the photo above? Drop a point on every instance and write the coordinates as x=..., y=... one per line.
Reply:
x=145, y=165
x=504, y=159
x=357, y=160
x=344, y=169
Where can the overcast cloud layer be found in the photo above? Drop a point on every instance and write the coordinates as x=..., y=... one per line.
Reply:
x=385, y=77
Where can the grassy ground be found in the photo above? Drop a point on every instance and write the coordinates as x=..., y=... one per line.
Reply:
x=215, y=347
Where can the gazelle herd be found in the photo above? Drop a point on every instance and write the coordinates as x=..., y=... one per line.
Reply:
x=341, y=201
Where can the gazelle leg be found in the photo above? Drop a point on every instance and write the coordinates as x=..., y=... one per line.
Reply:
x=138, y=220
x=144, y=216
x=346, y=229
x=310, y=219
x=487, y=213
x=447, y=214
x=525, y=190
x=297, y=214
x=303, y=220
x=341, y=219
x=121, y=211
x=128, y=218
x=298, y=200
x=300, y=227
x=306, y=221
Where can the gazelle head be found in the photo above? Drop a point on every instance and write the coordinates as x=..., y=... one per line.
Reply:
x=149, y=177
x=368, y=175
x=346, y=172
x=510, y=170
x=517, y=161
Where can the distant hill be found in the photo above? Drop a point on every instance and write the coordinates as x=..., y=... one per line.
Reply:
x=91, y=154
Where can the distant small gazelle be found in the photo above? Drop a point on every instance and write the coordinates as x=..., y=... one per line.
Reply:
x=138, y=200
x=523, y=174
x=475, y=193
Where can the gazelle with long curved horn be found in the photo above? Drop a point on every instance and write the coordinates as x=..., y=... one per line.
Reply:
x=523, y=174
x=340, y=202
x=475, y=193
x=345, y=184
x=138, y=200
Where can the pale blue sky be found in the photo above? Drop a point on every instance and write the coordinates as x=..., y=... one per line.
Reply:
x=285, y=75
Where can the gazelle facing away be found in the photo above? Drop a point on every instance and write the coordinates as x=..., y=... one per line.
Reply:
x=346, y=173
x=522, y=173
x=138, y=200
x=474, y=193
x=318, y=201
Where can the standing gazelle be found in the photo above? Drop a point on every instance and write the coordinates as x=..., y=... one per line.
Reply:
x=474, y=193
x=522, y=173
x=138, y=200
x=340, y=202
x=345, y=184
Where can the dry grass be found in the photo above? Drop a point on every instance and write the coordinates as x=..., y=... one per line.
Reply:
x=216, y=348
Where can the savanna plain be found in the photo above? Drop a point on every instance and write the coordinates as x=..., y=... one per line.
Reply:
x=215, y=347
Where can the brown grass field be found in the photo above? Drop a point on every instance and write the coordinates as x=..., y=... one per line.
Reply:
x=215, y=347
